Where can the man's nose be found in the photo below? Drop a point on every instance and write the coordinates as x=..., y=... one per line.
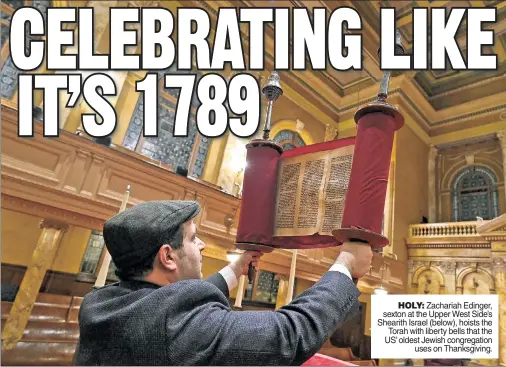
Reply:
x=201, y=245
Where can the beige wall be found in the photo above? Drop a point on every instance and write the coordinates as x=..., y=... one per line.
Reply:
x=286, y=109
x=411, y=181
x=348, y=133
x=302, y=285
x=211, y=266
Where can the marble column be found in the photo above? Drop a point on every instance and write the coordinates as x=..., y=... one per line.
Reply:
x=499, y=270
x=282, y=291
x=502, y=139
x=432, y=183
x=42, y=258
x=125, y=106
x=71, y=118
x=331, y=132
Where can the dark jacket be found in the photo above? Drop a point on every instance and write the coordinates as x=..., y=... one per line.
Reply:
x=190, y=323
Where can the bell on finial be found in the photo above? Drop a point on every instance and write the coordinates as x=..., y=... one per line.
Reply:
x=385, y=80
x=272, y=90
x=399, y=49
x=380, y=104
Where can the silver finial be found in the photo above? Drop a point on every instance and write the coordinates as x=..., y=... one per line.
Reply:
x=272, y=91
x=385, y=81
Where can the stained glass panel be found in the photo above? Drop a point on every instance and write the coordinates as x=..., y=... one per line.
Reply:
x=267, y=288
x=111, y=275
x=289, y=139
x=167, y=148
x=474, y=180
x=283, y=135
x=475, y=195
x=9, y=73
x=93, y=253
x=288, y=146
x=474, y=205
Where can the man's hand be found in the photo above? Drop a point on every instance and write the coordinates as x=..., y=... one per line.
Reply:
x=241, y=265
x=357, y=257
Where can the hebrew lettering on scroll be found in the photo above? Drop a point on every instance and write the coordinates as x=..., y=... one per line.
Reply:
x=311, y=192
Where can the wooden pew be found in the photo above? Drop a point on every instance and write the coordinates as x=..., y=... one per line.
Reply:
x=51, y=334
x=39, y=354
x=365, y=363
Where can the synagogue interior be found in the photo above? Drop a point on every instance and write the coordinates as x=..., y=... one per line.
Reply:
x=445, y=207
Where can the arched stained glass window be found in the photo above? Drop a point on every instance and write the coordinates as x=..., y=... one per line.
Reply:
x=289, y=139
x=93, y=258
x=475, y=194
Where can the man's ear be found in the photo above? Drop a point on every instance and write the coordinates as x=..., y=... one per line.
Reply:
x=167, y=257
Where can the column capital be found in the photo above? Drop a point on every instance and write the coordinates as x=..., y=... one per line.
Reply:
x=501, y=135
x=330, y=132
x=448, y=267
x=134, y=76
x=498, y=264
x=411, y=265
x=49, y=223
x=299, y=126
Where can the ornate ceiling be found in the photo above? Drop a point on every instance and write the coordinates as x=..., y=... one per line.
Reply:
x=437, y=102
x=433, y=102
x=439, y=84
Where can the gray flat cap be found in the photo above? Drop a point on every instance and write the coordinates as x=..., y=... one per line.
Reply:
x=140, y=231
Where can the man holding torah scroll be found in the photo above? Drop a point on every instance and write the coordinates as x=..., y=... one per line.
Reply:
x=163, y=313
x=325, y=194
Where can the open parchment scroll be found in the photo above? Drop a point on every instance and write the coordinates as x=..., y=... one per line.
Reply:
x=312, y=185
x=311, y=192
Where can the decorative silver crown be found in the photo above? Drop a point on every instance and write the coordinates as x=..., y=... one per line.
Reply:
x=272, y=90
x=399, y=48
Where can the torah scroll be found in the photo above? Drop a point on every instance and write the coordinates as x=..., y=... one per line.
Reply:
x=307, y=203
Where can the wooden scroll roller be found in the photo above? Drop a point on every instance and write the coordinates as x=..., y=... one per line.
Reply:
x=365, y=198
x=256, y=220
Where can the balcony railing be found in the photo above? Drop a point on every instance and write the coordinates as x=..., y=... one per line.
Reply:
x=459, y=229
